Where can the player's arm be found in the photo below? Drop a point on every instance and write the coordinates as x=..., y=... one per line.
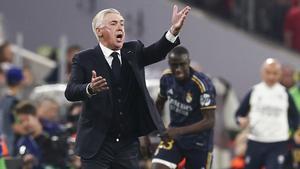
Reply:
x=241, y=114
x=160, y=103
x=207, y=122
x=293, y=115
x=162, y=95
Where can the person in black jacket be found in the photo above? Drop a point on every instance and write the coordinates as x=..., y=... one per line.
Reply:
x=110, y=80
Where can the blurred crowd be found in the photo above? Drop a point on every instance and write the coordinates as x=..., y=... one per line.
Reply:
x=35, y=133
x=277, y=20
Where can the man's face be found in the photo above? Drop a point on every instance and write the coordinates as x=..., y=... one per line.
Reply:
x=8, y=54
x=271, y=74
x=24, y=120
x=287, y=77
x=112, y=33
x=48, y=110
x=179, y=66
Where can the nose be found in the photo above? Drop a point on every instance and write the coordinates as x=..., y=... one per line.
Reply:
x=178, y=69
x=120, y=26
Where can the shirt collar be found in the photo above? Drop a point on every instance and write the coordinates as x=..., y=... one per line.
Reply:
x=106, y=51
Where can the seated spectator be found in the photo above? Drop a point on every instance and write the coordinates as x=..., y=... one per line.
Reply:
x=47, y=149
x=14, y=77
x=6, y=62
x=48, y=113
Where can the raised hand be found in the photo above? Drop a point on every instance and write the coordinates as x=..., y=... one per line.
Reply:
x=98, y=83
x=178, y=19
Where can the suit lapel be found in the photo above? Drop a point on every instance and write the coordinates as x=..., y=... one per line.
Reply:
x=126, y=54
x=129, y=56
x=102, y=68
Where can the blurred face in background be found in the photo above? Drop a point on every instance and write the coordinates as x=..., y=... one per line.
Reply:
x=180, y=66
x=287, y=78
x=112, y=32
x=30, y=123
x=24, y=121
x=6, y=54
x=48, y=110
x=271, y=72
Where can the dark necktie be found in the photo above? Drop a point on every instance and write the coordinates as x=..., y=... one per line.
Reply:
x=116, y=66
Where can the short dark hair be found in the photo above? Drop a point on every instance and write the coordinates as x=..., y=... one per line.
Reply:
x=178, y=51
x=73, y=47
x=25, y=108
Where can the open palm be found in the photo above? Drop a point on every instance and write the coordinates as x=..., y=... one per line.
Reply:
x=178, y=18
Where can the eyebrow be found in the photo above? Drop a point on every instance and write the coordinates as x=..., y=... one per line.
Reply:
x=116, y=21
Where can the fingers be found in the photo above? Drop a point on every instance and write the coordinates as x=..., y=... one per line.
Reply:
x=99, y=84
x=185, y=13
x=185, y=10
x=175, y=10
x=94, y=74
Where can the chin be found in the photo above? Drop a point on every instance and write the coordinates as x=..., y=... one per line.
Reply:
x=118, y=46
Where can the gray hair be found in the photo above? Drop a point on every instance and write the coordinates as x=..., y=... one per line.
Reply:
x=99, y=17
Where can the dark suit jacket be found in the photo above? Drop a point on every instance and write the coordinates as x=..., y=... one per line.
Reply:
x=97, y=112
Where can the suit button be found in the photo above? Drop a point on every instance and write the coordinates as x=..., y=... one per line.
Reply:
x=119, y=100
x=121, y=113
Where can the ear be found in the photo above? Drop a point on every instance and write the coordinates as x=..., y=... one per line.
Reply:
x=99, y=32
x=189, y=61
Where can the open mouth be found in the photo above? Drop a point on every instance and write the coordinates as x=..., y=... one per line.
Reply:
x=119, y=37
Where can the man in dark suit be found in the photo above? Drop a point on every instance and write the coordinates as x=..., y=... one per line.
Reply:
x=110, y=81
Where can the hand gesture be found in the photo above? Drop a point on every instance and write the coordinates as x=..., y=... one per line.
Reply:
x=98, y=83
x=178, y=18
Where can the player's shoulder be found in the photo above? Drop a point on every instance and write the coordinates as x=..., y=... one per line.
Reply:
x=201, y=80
x=167, y=73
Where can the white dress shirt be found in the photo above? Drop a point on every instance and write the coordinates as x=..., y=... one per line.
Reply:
x=107, y=54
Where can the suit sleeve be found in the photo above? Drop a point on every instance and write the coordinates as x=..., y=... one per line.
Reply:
x=244, y=108
x=293, y=115
x=163, y=87
x=76, y=88
x=157, y=51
